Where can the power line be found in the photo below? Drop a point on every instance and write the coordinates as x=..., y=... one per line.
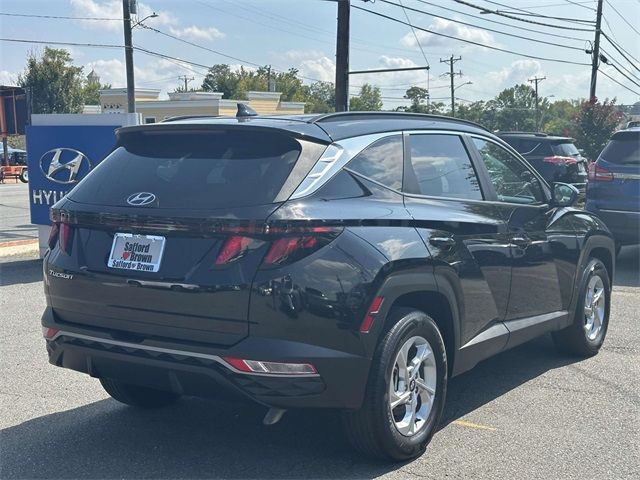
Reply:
x=557, y=35
x=621, y=84
x=484, y=28
x=551, y=17
x=622, y=52
x=71, y=44
x=557, y=4
x=495, y=12
x=59, y=17
x=490, y=47
x=415, y=35
x=578, y=4
x=622, y=17
x=610, y=57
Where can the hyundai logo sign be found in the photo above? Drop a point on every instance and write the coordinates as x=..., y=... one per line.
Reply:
x=64, y=165
x=141, y=198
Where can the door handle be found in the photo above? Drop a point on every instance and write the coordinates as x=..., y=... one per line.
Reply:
x=521, y=241
x=442, y=242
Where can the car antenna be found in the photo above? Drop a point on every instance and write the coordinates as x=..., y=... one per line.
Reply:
x=245, y=110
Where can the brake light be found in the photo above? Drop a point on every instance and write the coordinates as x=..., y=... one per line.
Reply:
x=295, y=246
x=598, y=174
x=234, y=248
x=66, y=236
x=49, y=333
x=371, y=313
x=560, y=160
x=53, y=235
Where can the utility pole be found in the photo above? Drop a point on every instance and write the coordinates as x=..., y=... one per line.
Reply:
x=595, y=54
x=342, y=56
x=537, y=80
x=128, y=56
x=186, y=81
x=451, y=61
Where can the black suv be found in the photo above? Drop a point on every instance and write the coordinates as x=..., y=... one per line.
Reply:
x=556, y=158
x=352, y=261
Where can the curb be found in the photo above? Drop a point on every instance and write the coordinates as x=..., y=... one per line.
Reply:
x=19, y=247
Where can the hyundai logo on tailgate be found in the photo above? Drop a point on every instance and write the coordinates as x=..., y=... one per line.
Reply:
x=141, y=198
x=64, y=165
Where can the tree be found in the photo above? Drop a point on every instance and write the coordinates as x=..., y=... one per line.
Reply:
x=559, y=118
x=320, y=97
x=595, y=123
x=368, y=99
x=55, y=84
x=417, y=95
x=474, y=112
x=513, y=109
x=91, y=92
x=220, y=78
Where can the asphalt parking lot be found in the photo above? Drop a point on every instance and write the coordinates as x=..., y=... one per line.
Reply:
x=527, y=413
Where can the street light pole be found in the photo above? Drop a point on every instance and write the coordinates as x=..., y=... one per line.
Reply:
x=128, y=56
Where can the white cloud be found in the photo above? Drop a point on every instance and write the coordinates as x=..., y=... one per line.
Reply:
x=313, y=64
x=8, y=78
x=450, y=28
x=113, y=9
x=197, y=33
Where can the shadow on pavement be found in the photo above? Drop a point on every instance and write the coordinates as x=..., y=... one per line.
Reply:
x=199, y=438
x=628, y=267
x=20, y=271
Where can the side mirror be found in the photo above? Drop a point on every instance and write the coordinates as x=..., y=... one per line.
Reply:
x=563, y=195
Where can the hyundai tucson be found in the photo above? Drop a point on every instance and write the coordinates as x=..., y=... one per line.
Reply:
x=352, y=261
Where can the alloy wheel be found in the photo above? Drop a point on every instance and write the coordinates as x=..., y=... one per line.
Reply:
x=413, y=386
x=594, y=307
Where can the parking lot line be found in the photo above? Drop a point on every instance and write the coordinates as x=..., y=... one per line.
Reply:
x=464, y=423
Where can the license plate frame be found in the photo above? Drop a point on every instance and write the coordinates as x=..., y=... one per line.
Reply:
x=139, y=249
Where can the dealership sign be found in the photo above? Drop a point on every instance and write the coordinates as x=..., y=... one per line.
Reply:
x=61, y=151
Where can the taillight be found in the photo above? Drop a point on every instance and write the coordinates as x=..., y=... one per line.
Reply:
x=234, y=248
x=274, y=368
x=61, y=233
x=598, y=174
x=560, y=160
x=53, y=235
x=299, y=243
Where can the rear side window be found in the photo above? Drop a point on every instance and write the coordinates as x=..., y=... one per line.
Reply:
x=623, y=149
x=442, y=167
x=565, y=149
x=381, y=161
x=193, y=170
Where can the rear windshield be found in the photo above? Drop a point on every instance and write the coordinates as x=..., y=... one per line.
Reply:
x=624, y=148
x=215, y=169
x=565, y=149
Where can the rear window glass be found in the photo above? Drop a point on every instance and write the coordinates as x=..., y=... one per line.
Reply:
x=200, y=171
x=381, y=162
x=623, y=149
x=565, y=149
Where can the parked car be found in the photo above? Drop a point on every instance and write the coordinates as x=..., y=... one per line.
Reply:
x=633, y=123
x=556, y=158
x=16, y=166
x=352, y=261
x=613, y=191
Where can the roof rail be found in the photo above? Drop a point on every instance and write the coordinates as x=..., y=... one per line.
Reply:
x=516, y=132
x=327, y=117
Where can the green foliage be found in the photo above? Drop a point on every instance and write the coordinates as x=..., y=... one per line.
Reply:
x=369, y=99
x=512, y=109
x=91, y=93
x=56, y=85
x=236, y=83
x=320, y=97
x=559, y=118
x=595, y=123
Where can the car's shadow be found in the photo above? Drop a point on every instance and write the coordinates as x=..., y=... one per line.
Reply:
x=628, y=267
x=199, y=438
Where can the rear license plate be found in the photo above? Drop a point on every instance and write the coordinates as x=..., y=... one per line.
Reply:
x=142, y=253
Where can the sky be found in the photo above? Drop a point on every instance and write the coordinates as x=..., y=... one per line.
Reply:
x=301, y=34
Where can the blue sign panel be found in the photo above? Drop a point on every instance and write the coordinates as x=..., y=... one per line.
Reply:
x=60, y=156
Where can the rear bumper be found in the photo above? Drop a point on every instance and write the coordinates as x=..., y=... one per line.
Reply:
x=196, y=369
x=624, y=225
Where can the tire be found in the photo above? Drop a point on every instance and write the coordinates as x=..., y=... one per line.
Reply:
x=24, y=176
x=373, y=429
x=136, y=395
x=582, y=338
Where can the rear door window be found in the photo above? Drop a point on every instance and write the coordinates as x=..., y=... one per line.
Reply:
x=623, y=149
x=206, y=170
x=442, y=167
x=566, y=149
x=381, y=161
